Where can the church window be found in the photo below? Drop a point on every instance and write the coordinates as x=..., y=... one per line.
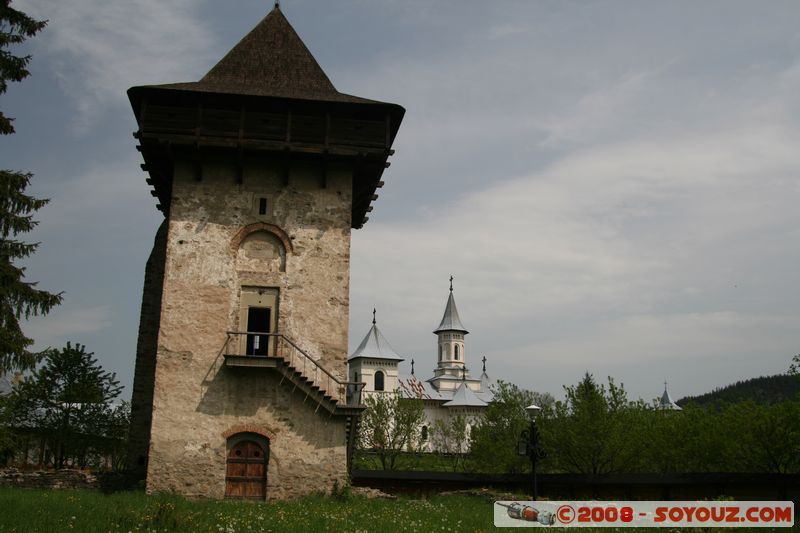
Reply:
x=379, y=380
x=458, y=352
x=262, y=206
x=424, y=435
x=440, y=352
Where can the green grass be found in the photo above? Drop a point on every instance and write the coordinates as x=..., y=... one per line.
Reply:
x=72, y=510
x=64, y=511
x=422, y=462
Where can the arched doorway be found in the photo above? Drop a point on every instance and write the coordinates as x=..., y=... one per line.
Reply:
x=246, y=469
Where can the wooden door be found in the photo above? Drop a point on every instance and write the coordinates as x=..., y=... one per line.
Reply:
x=246, y=476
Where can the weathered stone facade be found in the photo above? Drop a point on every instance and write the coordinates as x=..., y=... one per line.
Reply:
x=197, y=398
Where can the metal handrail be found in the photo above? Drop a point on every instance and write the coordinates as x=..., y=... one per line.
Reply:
x=341, y=388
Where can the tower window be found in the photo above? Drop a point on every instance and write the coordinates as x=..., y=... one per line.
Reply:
x=262, y=206
x=379, y=380
x=458, y=352
x=440, y=352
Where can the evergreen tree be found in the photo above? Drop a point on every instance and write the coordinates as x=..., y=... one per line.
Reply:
x=18, y=298
x=69, y=401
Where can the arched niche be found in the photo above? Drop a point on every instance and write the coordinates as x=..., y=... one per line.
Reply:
x=261, y=247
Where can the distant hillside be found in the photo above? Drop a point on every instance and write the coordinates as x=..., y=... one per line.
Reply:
x=766, y=389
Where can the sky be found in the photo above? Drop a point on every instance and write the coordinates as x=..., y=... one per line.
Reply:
x=613, y=184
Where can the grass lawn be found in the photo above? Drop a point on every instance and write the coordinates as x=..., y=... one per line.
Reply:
x=61, y=511
x=73, y=510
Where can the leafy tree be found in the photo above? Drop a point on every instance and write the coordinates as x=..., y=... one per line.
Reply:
x=69, y=402
x=591, y=430
x=450, y=440
x=391, y=425
x=794, y=367
x=692, y=440
x=495, y=439
x=18, y=298
x=762, y=438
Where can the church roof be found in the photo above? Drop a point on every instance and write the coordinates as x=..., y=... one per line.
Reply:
x=413, y=388
x=465, y=397
x=450, y=320
x=375, y=346
x=271, y=60
x=666, y=402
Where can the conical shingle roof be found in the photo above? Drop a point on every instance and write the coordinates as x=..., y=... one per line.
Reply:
x=375, y=346
x=273, y=61
x=465, y=397
x=450, y=320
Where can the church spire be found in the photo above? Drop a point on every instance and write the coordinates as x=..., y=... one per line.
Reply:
x=450, y=320
x=666, y=403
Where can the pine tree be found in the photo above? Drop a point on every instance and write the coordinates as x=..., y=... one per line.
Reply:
x=70, y=402
x=18, y=298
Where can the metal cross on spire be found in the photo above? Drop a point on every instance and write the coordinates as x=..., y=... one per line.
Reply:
x=412, y=367
x=277, y=4
x=373, y=315
x=484, y=363
x=451, y=283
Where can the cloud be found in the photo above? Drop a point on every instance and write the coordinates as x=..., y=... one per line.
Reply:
x=638, y=250
x=65, y=323
x=112, y=192
x=100, y=49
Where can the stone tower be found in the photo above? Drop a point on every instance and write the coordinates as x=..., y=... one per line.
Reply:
x=261, y=170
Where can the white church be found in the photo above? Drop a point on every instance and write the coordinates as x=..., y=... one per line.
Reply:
x=449, y=392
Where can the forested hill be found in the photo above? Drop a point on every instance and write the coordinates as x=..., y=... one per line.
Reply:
x=766, y=389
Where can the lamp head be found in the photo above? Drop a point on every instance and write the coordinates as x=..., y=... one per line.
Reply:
x=533, y=410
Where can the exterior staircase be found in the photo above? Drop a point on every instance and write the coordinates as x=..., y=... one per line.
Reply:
x=337, y=397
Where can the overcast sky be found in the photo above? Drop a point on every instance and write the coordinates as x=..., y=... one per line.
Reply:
x=614, y=185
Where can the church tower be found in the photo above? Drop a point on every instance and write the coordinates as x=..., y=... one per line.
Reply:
x=374, y=363
x=261, y=169
x=451, y=368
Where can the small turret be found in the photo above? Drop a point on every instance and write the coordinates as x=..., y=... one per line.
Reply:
x=374, y=362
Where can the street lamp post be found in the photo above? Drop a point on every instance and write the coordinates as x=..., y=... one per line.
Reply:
x=529, y=444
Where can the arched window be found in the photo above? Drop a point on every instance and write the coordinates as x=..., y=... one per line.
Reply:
x=440, y=352
x=424, y=435
x=378, y=380
x=458, y=352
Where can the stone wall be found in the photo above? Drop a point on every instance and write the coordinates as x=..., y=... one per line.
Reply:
x=48, y=479
x=197, y=399
x=145, y=369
